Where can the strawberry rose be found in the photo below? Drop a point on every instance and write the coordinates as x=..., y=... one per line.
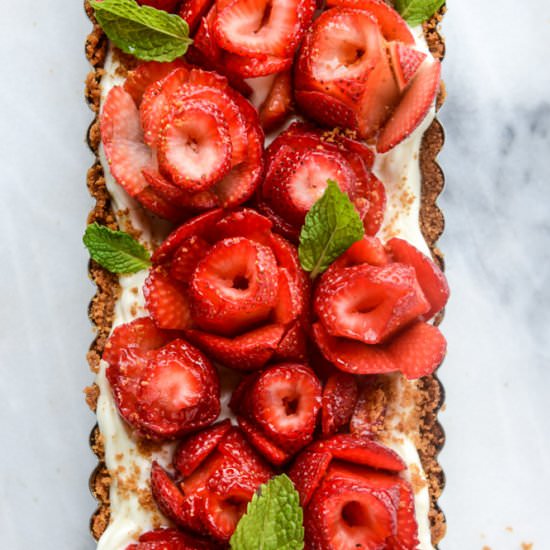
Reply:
x=180, y=140
x=235, y=288
x=372, y=306
x=359, y=68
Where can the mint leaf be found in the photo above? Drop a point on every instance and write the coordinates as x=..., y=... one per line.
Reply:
x=332, y=225
x=273, y=520
x=143, y=31
x=415, y=12
x=115, y=250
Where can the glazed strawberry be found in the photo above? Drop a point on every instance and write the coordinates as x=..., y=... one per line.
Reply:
x=338, y=402
x=307, y=471
x=169, y=539
x=161, y=389
x=166, y=5
x=211, y=499
x=370, y=310
x=405, y=62
x=430, y=277
x=345, y=77
x=280, y=410
x=192, y=11
x=277, y=106
x=298, y=165
x=180, y=140
x=236, y=289
x=413, y=107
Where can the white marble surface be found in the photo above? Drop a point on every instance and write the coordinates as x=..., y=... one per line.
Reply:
x=497, y=205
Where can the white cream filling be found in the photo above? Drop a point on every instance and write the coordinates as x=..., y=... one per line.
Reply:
x=399, y=170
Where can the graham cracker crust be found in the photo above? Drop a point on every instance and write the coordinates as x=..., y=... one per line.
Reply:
x=429, y=396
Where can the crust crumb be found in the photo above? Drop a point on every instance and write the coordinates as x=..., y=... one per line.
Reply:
x=92, y=395
x=526, y=545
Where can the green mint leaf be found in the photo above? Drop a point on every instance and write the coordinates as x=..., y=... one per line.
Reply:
x=415, y=12
x=273, y=520
x=332, y=225
x=115, y=250
x=143, y=31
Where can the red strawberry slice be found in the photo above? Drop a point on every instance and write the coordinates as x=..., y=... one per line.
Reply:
x=256, y=27
x=195, y=449
x=407, y=528
x=262, y=444
x=221, y=515
x=368, y=250
x=192, y=11
x=278, y=104
x=166, y=494
x=286, y=399
x=245, y=223
x=431, y=279
x=250, y=67
x=169, y=539
x=200, y=226
x=405, y=62
x=376, y=196
x=186, y=258
x=145, y=74
x=380, y=95
x=166, y=301
x=359, y=450
x=166, y=5
x=369, y=303
x=140, y=335
x=122, y=139
x=240, y=401
x=417, y=351
x=230, y=481
x=195, y=145
x=159, y=205
x=234, y=286
x=250, y=351
x=413, y=107
x=163, y=187
x=307, y=471
x=290, y=301
x=338, y=402
x=325, y=109
x=391, y=24
x=344, y=514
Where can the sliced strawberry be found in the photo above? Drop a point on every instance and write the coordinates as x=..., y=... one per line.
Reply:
x=431, y=279
x=344, y=514
x=255, y=27
x=289, y=299
x=370, y=411
x=250, y=67
x=358, y=450
x=221, y=515
x=413, y=107
x=338, y=403
x=163, y=187
x=293, y=346
x=166, y=301
x=245, y=223
x=286, y=399
x=368, y=250
x=407, y=528
x=160, y=206
x=271, y=452
x=391, y=24
x=192, y=11
x=405, y=62
x=377, y=206
x=277, y=106
x=250, y=351
x=139, y=335
x=166, y=494
x=240, y=401
x=380, y=95
x=186, y=258
x=193, y=451
x=145, y=74
x=369, y=303
x=122, y=139
x=166, y=5
x=417, y=351
x=325, y=109
x=195, y=145
x=307, y=471
x=199, y=226
x=169, y=539
x=234, y=286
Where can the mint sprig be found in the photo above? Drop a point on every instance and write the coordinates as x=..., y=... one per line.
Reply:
x=116, y=251
x=143, y=31
x=331, y=226
x=415, y=12
x=273, y=520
